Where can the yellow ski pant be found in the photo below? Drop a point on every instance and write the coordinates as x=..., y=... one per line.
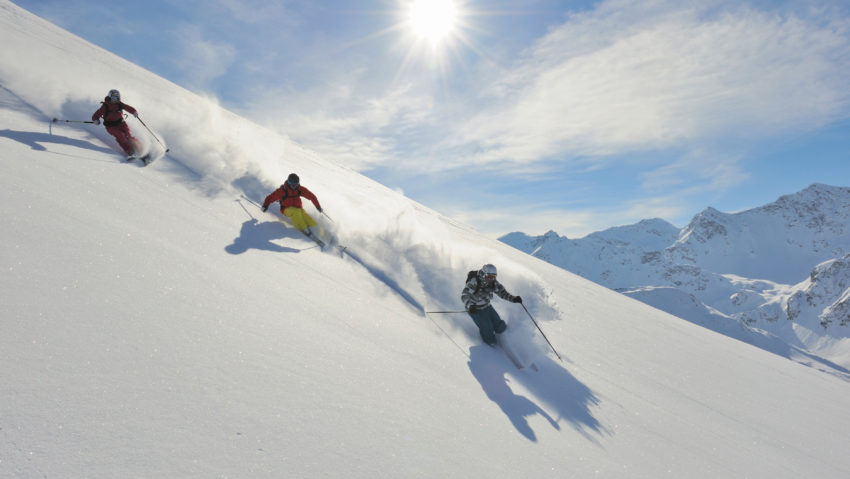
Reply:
x=300, y=218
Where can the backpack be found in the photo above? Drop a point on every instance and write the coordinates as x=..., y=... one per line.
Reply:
x=106, y=111
x=286, y=192
x=473, y=274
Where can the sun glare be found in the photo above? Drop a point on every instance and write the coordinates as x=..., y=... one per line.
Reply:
x=433, y=20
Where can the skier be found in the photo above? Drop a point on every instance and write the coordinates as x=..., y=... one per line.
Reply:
x=289, y=194
x=476, y=297
x=112, y=111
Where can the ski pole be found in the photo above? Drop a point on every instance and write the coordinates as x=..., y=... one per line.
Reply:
x=428, y=315
x=72, y=121
x=541, y=332
x=328, y=217
x=252, y=201
x=152, y=133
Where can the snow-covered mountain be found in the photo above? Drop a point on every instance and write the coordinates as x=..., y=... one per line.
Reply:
x=153, y=323
x=779, y=242
x=755, y=269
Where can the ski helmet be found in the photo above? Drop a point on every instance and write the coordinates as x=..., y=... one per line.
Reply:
x=115, y=95
x=488, y=269
x=293, y=180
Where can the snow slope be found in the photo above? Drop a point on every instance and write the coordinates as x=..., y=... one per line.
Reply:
x=156, y=325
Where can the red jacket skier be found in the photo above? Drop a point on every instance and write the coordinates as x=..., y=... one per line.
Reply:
x=112, y=111
x=289, y=194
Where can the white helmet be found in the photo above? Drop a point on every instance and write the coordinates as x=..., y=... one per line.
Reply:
x=115, y=95
x=488, y=269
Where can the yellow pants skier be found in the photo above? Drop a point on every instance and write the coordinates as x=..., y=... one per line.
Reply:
x=289, y=195
x=300, y=218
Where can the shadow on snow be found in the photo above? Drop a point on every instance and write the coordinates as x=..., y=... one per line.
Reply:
x=552, y=385
x=36, y=140
x=256, y=235
x=383, y=277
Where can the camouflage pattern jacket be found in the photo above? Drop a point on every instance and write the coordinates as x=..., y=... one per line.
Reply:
x=478, y=292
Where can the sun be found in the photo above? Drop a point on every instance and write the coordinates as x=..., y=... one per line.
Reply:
x=436, y=34
x=433, y=20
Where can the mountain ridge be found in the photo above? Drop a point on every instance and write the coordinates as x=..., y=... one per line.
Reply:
x=749, y=267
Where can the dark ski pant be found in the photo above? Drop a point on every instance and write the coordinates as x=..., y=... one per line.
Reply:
x=489, y=324
x=125, y=139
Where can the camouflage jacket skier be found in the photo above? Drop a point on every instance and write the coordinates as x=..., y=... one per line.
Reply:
x=478, y=292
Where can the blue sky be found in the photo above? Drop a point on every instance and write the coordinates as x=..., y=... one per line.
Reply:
x=524, y=115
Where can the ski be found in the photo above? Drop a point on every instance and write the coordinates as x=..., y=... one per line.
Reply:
x=315, y=239
x=331, y=242
x=514, y=358
x=328, y=245
x=145, y=159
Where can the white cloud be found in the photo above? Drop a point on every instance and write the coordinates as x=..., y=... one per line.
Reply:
x=628, y=78
x=572, y=223
x=695, y=172
x=201, y=60
x=498, y=222
x=251, y=11
x=342, y=121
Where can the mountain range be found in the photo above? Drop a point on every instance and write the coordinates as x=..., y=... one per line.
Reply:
x=777, y=276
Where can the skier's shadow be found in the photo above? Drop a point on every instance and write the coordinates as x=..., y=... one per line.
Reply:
x=490, y=369
x=256, y=235
x=37, y=140
x=561, y=392
x=552, y=385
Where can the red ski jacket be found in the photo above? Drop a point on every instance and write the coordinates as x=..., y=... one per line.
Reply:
x=112, y=112
x=289, y=197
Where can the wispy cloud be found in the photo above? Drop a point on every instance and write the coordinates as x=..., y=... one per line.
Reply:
x=200, y=59
x=343, y=121
x=249, y=11
x=566, y=221
x=498, y=222
x=627, y=78
x=712, y=172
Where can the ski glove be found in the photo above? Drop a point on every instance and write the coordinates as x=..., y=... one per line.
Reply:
x=265, y=208
x=517, y=299
x=471, y=309
x=320, y=209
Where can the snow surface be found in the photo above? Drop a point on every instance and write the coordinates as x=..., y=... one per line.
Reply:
x=155, y=324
